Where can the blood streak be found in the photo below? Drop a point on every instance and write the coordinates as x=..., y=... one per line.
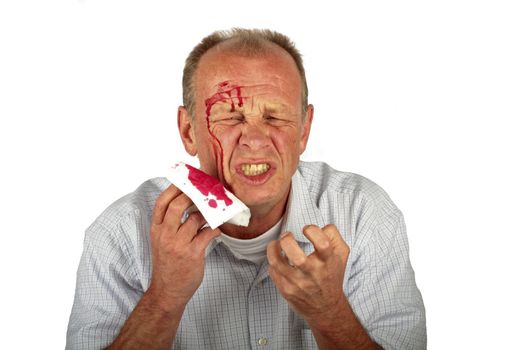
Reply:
x=224, y=94
x=207, y=184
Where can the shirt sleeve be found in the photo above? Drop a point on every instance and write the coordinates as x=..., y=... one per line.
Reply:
x=107, y=288
x=384, y=291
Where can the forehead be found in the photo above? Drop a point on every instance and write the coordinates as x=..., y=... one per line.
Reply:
x=271, y=74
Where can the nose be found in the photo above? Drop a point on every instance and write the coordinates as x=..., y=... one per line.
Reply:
x=254, y=136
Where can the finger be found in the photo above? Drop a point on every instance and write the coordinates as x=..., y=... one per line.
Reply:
x=320, y=241
x=292, y=250
x=279, y=268
x=176, y=208
x=280, y=263
x=161, y=205
x=340, y=247
x=191, y=227
x=332, y=233
x=277, y=278
x=273, y=253
x=204, y=237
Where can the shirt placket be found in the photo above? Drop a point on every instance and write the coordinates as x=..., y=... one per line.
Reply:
x=261, y=311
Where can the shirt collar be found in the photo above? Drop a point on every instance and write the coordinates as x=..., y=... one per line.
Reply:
x=301, y=210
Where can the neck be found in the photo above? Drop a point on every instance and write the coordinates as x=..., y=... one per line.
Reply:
x=261, y=220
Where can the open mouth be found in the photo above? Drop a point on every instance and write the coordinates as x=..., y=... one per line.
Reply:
x=254, y=169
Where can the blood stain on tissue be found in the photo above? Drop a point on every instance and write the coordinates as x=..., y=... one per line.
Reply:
x=207, y=185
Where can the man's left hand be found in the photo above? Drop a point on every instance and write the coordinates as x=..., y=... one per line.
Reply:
x=313, y=284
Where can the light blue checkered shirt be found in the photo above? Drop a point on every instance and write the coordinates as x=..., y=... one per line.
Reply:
x=238, y=306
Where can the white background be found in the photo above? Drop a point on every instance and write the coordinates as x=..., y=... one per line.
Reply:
x=424, y=98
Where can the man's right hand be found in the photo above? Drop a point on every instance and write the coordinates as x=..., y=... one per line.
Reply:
x=177, y=250
x=178, y=269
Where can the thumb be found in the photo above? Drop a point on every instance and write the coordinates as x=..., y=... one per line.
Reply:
x=204, y=238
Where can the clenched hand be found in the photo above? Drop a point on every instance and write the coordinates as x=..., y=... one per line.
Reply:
x=313, y=284
x=177, y=249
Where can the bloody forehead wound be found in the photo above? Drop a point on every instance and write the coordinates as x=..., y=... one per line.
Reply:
x=226, y=92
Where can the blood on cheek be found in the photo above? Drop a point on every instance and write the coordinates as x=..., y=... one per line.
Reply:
x=226, y=92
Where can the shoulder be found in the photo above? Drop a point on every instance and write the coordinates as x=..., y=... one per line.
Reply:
x=323, y=180
x=360, y=208
x=141, y=200
x=128, y=217
x=119, y=236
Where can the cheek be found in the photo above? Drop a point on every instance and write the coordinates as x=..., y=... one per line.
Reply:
x=205, y=141
x=228, y=136
x=286, y=142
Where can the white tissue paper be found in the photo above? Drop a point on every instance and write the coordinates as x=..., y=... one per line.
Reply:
x=216, y=203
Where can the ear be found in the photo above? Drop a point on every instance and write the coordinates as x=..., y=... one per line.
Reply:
x=186, y=130
x=307, y=124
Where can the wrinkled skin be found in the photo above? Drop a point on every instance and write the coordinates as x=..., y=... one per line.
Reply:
x=267, y=124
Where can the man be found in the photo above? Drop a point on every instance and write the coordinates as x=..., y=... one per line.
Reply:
x=323, y=263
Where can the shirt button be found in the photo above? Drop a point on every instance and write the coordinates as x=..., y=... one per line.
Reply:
x=262, y=341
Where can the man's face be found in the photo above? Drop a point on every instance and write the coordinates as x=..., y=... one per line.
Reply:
x=249, y=128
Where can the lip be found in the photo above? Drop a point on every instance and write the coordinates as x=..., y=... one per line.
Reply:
x=257, y=179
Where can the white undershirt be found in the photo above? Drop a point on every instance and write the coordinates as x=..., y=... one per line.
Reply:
x=253, y=249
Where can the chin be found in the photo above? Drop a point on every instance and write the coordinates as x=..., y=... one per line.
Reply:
x=252, y=200
x=258, y=198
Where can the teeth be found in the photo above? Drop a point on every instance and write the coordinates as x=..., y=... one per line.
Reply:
x=254, y=169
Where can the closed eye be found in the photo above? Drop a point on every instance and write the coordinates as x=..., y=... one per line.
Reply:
x=229, y=119
x=273, y=120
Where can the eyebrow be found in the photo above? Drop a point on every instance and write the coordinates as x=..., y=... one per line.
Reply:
x=222, y=107
x=275, y=107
